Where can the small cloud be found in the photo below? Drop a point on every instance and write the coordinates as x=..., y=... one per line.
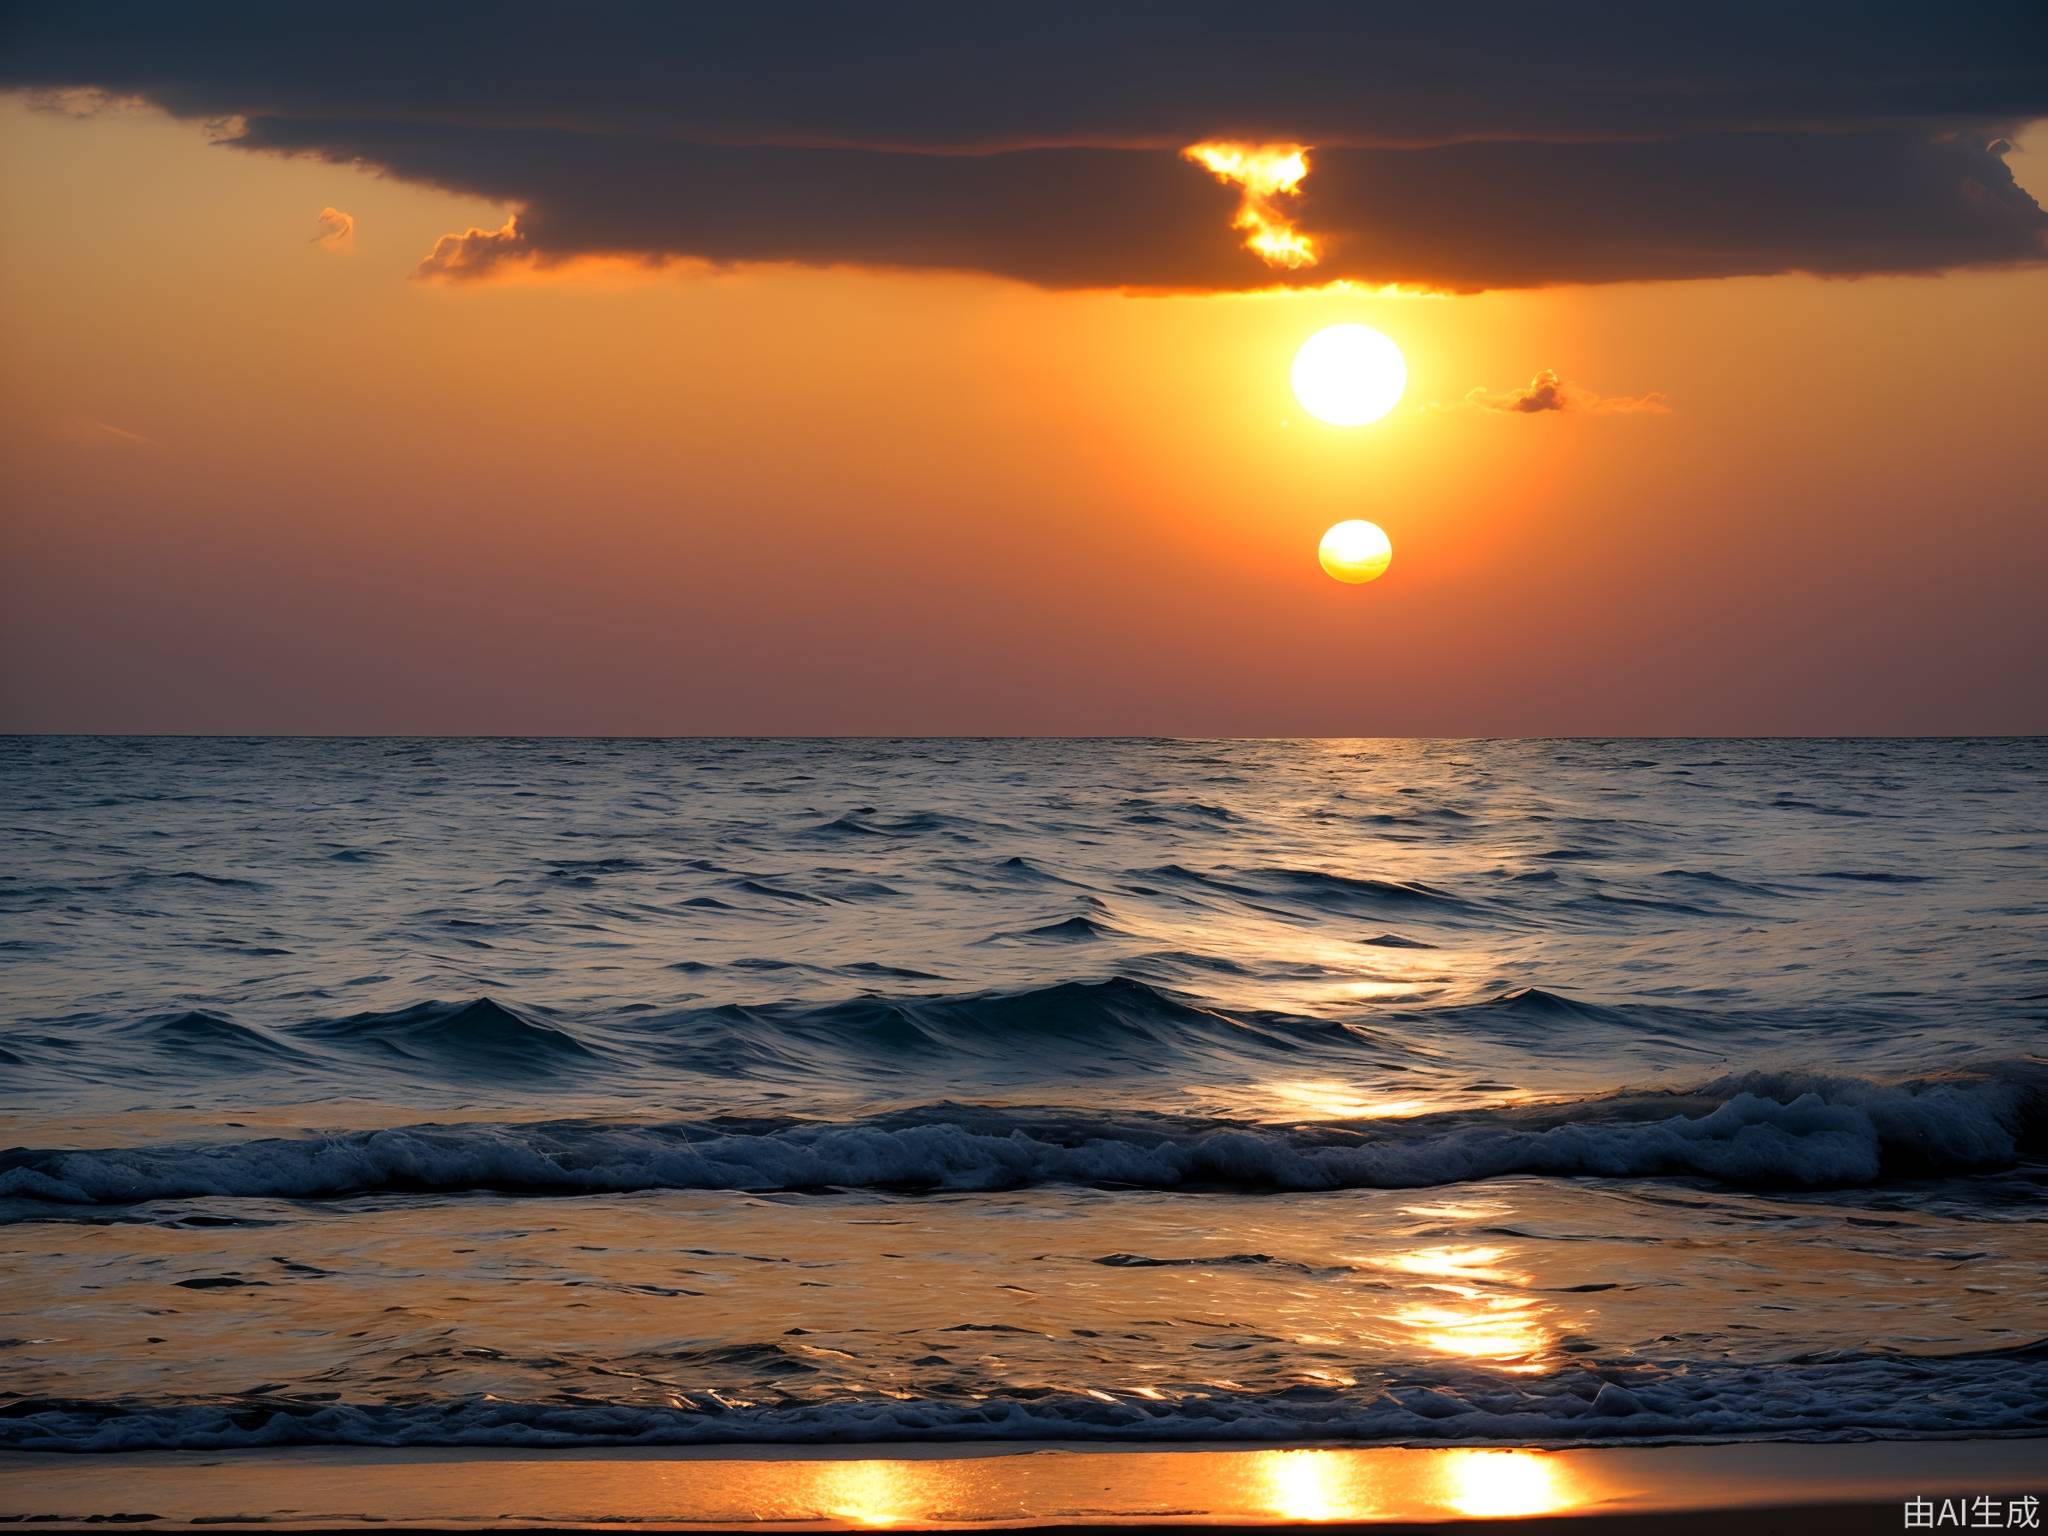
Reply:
x=337, y=230
x=474, y=252
x=1547, y=392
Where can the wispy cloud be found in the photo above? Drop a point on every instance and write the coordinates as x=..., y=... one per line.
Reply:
x=337, y=230
x=90, y=431
x=1548, y=392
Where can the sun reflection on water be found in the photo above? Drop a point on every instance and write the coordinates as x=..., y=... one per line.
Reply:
x=1311, y=1486
x=1501, y=1329
x=1326, y=1100
x=1468, y=1320
x=1502, y=1483
x=1468, y=1263
x=870, y=1493
x=1302, y=1487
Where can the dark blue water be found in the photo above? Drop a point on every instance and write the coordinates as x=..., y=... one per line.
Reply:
x=553, y=1092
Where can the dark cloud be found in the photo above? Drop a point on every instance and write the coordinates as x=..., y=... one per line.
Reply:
x=1548, y=392
x=1508, y=146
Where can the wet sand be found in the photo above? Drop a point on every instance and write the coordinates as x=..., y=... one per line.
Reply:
x=1753, y=1487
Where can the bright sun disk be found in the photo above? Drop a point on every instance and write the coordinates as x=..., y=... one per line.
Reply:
x=1355, y=551
x=1348, y=375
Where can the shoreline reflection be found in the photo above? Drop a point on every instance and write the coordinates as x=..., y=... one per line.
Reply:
x=1312, y=1487
x=1247, y=1487
x=1494, y=1484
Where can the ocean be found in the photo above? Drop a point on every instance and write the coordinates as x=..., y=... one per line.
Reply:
x=580, y=1092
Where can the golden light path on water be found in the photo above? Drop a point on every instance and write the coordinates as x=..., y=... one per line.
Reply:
x=813, y=1488
x=1310, y=1486
x=878, y=1494
x=1478, y=1310
x=1314, y=1486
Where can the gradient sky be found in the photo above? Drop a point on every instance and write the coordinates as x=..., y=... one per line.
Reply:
x=878, y=388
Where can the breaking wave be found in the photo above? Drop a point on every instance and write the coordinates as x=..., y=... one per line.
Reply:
x=1757, y=1131
x=1849, y=1397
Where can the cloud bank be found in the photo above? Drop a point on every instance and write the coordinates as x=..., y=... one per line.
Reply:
x=1511, y=146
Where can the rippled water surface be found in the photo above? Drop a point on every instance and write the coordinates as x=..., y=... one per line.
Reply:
x=549, y=1092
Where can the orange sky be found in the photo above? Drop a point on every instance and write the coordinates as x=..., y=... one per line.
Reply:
x=255, y=483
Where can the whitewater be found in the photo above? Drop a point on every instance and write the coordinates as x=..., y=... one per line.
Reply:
x=508, y=1092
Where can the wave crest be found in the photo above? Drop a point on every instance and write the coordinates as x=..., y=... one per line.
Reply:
x=1846, y=1398
x=1752, y=1132
x=479, y=1036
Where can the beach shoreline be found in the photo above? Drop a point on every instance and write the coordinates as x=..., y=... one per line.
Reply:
x=1858, y=1486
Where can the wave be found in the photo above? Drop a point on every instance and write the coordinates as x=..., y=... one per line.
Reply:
x=587, y=872
x=1542, y=1024
x=1320, y=890
x=1078, y=929
x=481, y=1036
x=1847, y=1397
x=1711, y=880
x=196, y=876
x=1146, y=1026
x=1762, y=1131
x=1084, y=1027
x=1218, y=1261
x=197, y=1038
x=756, y=887
x=866, y=822
x=1070, y=1027
x=1021, y=870
x=1143, y=811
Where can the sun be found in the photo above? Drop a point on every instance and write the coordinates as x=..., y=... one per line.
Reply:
x=1349, y=375
x=1355, y=551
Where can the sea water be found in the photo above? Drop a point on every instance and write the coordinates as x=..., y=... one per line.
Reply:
x=507, y=1092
